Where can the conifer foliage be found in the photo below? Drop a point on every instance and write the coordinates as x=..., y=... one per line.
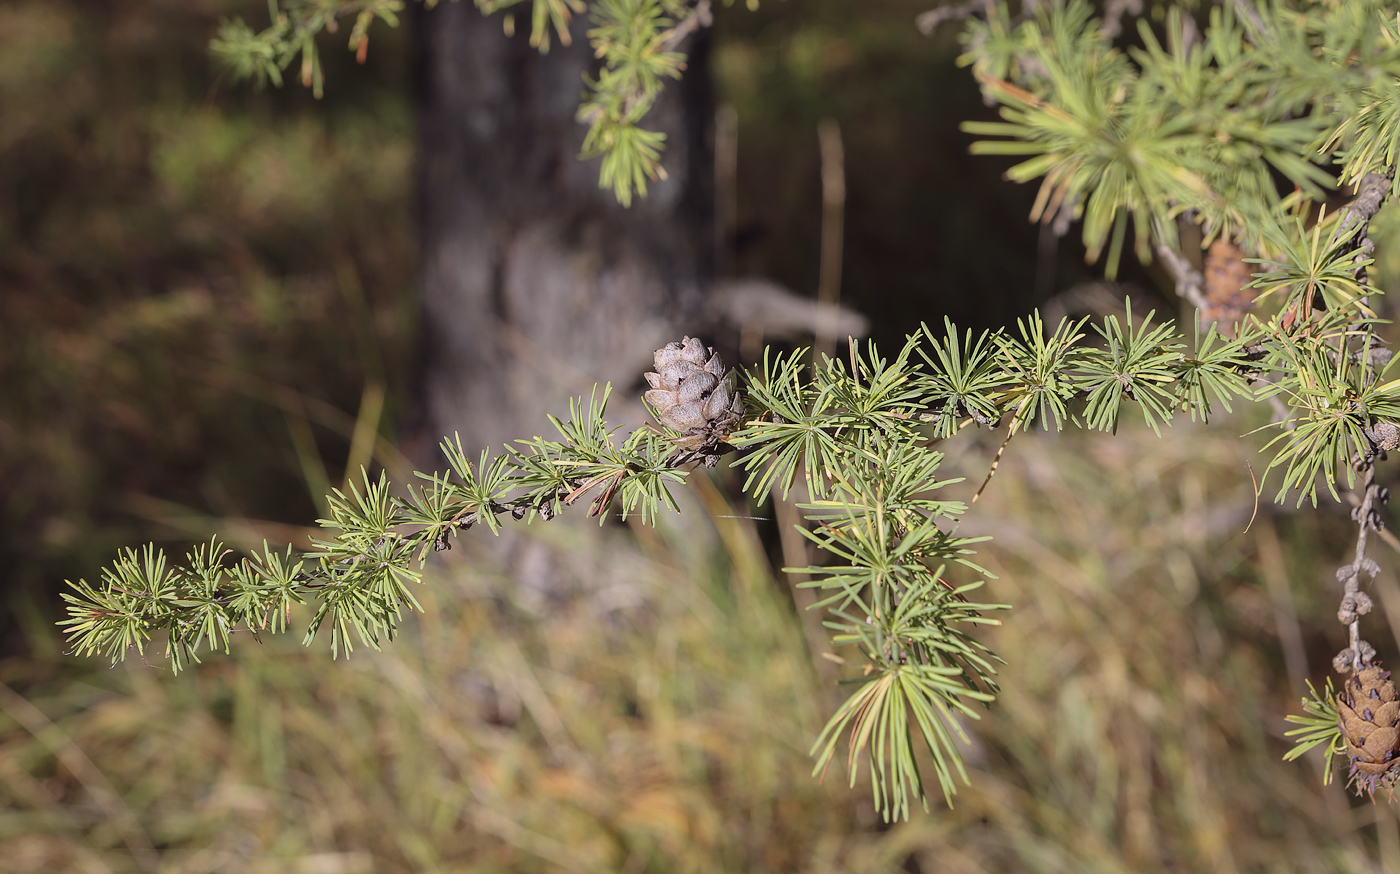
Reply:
x=1188, y=123
x=635, y=41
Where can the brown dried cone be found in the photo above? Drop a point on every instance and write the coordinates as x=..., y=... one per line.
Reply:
x=692, y=393
x=1226, y=275
x=1370, y=722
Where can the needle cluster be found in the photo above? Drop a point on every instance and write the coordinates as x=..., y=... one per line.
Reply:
x=636, y=41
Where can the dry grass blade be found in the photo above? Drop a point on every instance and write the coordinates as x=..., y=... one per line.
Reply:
x=85, y=771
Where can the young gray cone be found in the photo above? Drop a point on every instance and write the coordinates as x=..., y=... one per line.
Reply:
x=692, y=394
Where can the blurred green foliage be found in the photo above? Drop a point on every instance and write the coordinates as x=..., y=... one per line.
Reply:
x=172, y=249
x=634, y=41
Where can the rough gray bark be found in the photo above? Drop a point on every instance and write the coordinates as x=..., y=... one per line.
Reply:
x=535, y=283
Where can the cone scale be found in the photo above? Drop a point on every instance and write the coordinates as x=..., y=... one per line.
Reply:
x=693, y=394
x=1369, y=715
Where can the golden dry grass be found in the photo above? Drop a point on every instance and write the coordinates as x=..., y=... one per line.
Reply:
x=658, y=717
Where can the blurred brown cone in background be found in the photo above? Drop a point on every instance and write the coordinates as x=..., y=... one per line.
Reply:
x=1226, y=275
x=692, y=394
x=1370, y=723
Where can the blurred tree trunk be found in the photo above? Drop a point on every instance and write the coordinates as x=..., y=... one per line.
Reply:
x=535, y=283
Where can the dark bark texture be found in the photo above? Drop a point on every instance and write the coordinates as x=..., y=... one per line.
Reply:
x=536, y=284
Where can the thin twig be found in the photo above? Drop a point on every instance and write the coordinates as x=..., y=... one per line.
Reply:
x=1365, y=517
x=698, y=17
x=1187, y=278
x=928, y=21
x=1388, y=538
x=1356, y=216
x=1355, y=222
x=1001, y=450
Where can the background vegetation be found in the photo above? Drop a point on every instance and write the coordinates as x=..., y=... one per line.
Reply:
x=173, y=250
x=173, y=244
